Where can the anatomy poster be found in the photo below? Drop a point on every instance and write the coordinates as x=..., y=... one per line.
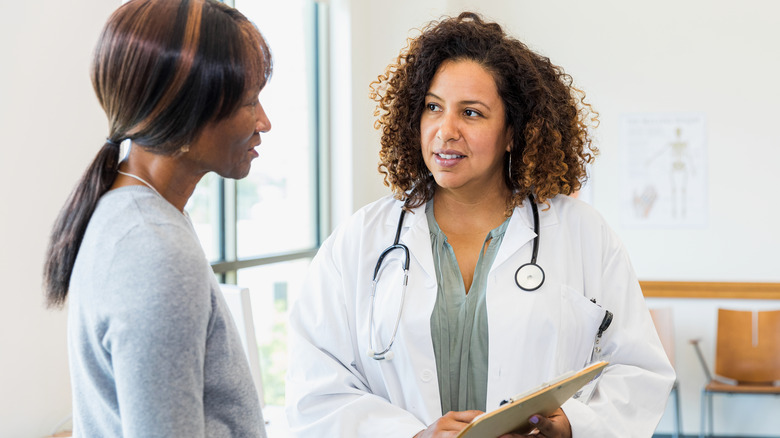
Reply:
x=664, y=182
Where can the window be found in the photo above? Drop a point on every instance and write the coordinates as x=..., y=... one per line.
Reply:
x=261, y=232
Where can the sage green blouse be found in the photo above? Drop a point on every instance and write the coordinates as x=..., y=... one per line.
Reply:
x=459, y=325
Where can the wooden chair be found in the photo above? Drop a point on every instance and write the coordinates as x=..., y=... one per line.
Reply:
x=747, y=358
x=664, y=325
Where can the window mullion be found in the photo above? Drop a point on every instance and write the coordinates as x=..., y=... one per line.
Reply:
x=230, y=226
x=322, y=122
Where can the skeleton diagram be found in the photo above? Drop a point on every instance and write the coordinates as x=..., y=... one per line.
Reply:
x=681, y=168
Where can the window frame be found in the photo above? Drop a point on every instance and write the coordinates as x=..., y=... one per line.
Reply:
x=228, y=264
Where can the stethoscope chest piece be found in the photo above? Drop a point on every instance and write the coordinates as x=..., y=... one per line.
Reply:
x=529, y=277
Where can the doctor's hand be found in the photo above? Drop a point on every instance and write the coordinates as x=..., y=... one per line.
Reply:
x=555, y=426
x=449, y=425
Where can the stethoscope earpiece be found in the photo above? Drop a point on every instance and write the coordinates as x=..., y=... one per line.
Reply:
x=388, y=355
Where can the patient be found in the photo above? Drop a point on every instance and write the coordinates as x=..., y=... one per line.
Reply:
x=153, y=350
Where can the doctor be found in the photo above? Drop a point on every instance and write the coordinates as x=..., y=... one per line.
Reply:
x=473, y=124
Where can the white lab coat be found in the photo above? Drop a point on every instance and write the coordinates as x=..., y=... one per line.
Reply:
x=335, y=390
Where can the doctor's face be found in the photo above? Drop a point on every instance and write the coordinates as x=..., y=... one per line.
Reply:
x=463, y=129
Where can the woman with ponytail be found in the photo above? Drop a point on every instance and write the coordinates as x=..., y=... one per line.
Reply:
x=153, y=350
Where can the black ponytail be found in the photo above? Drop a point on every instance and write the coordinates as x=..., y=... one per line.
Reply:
x=71, y=224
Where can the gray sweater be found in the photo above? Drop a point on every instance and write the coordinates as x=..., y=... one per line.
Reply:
x=153, y=349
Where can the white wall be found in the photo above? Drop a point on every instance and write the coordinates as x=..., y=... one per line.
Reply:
x=719, y=58
x=50, y=127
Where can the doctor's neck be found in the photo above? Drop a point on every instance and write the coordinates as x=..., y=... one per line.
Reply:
x=485, y=208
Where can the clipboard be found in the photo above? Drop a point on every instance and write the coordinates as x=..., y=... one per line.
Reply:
x=513, y=416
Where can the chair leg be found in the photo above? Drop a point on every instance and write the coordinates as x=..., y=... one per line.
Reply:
x=703, y=414
x=678, y=426
x=711, y=429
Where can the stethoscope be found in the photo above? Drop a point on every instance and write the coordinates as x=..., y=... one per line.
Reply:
x=529, y=277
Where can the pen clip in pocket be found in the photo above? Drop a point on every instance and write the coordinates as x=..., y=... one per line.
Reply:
x=597, y=354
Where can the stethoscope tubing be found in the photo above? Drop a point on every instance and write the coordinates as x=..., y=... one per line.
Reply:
x=535, y=211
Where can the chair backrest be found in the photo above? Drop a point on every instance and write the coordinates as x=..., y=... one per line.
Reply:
x=748, y=345
x=664, y=325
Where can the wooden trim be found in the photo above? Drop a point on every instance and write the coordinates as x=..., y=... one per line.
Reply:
x=699, y=289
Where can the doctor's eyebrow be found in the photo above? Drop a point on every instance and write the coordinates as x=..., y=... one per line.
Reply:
x=462, y=102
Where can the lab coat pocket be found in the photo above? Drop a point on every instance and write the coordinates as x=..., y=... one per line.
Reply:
x=580, y=320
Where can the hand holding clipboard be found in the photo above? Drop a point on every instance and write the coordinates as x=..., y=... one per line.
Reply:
x=513, y=415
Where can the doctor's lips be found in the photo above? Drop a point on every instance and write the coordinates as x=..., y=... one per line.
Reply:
x=448, y=154
x=447, y=158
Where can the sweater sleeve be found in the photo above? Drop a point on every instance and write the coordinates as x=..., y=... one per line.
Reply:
x=156, y=323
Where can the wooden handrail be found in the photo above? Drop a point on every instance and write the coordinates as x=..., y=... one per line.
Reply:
x=705, y=289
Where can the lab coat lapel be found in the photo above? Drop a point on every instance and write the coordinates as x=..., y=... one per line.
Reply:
x=417, y=237
x=519, y=232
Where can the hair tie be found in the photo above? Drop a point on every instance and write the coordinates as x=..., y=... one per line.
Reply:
x=112, y=142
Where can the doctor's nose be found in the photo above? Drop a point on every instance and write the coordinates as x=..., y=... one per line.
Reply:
x=448, y=128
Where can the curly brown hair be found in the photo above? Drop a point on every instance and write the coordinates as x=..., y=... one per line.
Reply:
x=547, y=114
